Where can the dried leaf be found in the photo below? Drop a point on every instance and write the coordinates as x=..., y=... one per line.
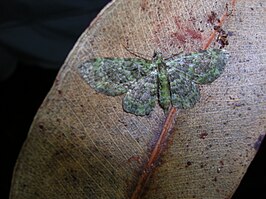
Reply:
x=83, y=145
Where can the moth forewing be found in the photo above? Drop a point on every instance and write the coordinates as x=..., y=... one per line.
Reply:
x=207, y=66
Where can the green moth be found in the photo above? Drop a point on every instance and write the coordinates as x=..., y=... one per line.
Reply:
x=171, y=82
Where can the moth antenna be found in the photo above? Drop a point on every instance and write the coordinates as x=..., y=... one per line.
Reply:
x=171, y=56
x=139, y=55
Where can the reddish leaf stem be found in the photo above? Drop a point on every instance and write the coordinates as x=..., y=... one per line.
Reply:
x=149, y=167
x=155, y=154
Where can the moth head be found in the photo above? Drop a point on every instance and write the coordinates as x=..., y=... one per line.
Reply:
x=157, y=55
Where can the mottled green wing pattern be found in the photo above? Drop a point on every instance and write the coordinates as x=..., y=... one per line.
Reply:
x=140, y=100
x=187, y=70
x=114, y=76
x=184, y=92
x=170, y=82
x=201, y=67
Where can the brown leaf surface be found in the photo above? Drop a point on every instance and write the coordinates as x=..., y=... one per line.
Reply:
x=83, y=145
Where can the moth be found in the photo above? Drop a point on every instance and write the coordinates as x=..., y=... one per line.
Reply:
x=170, y=82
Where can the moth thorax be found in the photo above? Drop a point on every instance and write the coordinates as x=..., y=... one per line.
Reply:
x=157, y=55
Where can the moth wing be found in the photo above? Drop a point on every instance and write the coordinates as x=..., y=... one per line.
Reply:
x=140, y=100
x=184, y=92
x=113, y=76
x=202, y=67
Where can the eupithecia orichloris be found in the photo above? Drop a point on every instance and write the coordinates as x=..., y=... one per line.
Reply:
x=171, y=82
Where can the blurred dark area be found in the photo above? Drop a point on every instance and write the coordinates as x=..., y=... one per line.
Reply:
x=35, y=38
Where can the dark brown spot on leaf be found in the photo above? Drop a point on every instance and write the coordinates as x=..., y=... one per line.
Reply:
x=203, y=135
x=188, y=163
x=212, y=17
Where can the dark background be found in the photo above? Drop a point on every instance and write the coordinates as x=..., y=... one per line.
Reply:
x=35, y=38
